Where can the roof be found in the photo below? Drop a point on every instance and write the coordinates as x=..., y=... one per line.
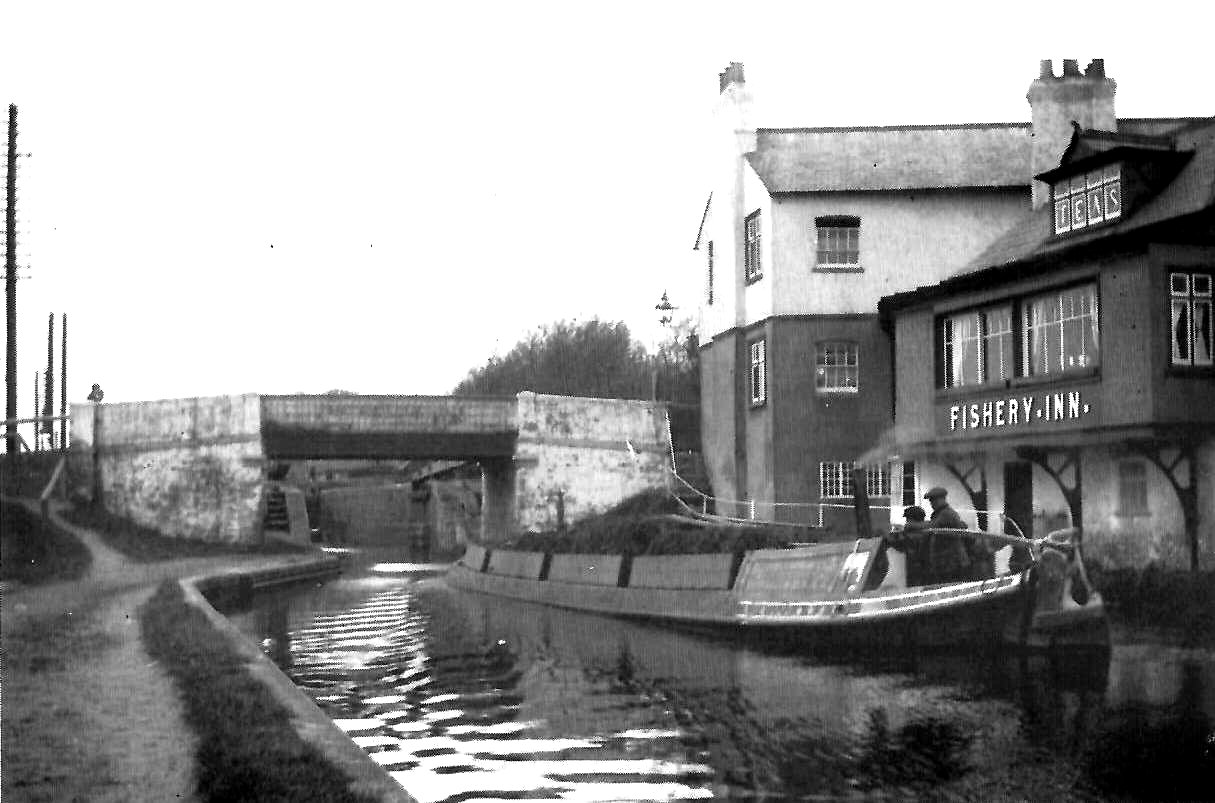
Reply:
x=1031, y=239
x=1094, y=148
x=892, y=158
x=1190, y=191
x=910, y=157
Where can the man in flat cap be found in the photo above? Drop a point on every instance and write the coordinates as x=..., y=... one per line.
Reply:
x=943, y=516
x=947, y=559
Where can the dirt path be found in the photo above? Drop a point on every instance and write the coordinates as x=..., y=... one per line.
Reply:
x=87, y=714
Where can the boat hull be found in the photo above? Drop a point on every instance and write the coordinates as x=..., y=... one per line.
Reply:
x=805, y=595
x=983, y=619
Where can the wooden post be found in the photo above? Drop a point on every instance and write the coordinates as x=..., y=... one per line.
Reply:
x=864, y=522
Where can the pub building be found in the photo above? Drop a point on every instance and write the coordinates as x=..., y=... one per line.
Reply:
x=1065, y=375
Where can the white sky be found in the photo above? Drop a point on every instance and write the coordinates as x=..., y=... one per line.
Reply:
x=438, y=179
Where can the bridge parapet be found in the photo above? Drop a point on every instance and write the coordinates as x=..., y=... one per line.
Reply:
x=415, y=427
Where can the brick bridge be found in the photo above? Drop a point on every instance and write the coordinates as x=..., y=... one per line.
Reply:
x=199, y=467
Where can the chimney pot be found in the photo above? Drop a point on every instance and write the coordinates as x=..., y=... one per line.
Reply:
x=1046, y=69
x=1071, y=68
x=1095, y=69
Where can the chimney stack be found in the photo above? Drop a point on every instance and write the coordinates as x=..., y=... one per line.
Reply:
x=1055, y=103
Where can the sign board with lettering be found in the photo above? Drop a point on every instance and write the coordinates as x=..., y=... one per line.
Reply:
x=1015, y=411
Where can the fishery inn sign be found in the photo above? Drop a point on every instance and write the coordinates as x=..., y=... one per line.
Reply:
x=1011, y=413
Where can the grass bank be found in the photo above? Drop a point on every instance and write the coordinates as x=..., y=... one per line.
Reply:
x=643, y=525
x=32, y=554
x=247, y=746
x=147, y=545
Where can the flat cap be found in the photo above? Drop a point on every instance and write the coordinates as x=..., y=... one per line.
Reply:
x=934, y=492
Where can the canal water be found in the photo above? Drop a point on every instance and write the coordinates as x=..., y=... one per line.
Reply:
x=464, y=697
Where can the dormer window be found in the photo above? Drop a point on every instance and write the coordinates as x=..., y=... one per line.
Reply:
x=1088, y=199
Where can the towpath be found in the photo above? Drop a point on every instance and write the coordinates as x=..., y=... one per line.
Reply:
x=88, y=715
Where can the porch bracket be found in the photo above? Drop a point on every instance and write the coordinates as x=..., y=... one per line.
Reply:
x=963, y=472
x=1067, y=458
x=1187, y=493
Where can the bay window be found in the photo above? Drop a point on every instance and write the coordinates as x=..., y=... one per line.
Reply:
x=978, y=347
x=1060, y=331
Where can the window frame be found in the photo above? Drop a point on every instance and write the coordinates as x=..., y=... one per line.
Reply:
x=836, y=475
x=1026, y=302
x=849, y=226
x=1018, y=306
x=983, y=335
x=1133, y=502
x=853, y=349
x=753, y=268
x=1090, y=194
x=1192, y=298
x=757, y=372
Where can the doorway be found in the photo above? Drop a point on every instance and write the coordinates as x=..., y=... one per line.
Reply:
x=1019, y=496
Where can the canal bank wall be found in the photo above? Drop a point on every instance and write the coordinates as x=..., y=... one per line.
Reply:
x=310, y=723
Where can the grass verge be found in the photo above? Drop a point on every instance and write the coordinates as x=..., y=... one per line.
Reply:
x=147, y=545
x=30, y=553
x=247, y=746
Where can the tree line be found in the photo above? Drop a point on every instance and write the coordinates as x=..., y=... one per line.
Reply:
x=593, y=358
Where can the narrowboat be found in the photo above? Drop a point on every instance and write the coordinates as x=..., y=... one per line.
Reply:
x=889, y=590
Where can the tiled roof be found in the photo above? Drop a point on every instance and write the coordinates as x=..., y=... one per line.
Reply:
x=892, y=158
x=1191, y=190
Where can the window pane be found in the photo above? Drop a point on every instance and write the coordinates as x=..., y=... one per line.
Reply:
x=1202, y=285
x=1095, y=206
x=1063, y=216
x=1202, y=332
x=1179, y=284
x=1079, y=212
x=1181, y=332
x=1113, y=200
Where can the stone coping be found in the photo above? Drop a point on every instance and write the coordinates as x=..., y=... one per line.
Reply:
x=311, y=723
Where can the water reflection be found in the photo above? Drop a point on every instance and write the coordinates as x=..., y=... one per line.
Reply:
x=464, y=697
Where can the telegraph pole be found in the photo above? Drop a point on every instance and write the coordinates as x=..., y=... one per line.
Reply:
x=63, y=444
x=48, y=399
x=10, y=282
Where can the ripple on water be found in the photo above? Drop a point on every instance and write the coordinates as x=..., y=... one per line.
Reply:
x=446, y=722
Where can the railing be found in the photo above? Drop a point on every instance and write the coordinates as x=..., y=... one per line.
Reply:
x=814, y=511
